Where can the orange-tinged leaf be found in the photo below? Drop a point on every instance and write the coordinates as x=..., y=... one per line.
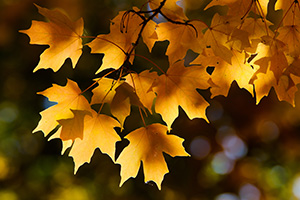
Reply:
x=122, y=101
x=239, y=39
x=241, y=7
x=178, y=87
x=170, y=9
x=224, y=73
x=256, y=28
x=141, y=83
x=105, y=91
x=119, y=94
x=218, y=35
x=68, y=98
x=263, y=83
x=149, y=35
x=147, y=144
x=186, y=37
x=124, y=31
x=61, y=34
x=98, y=132
x=72, y=128
x=291, y=11
x=284, y=89
x=290, y=35
x=270, y=52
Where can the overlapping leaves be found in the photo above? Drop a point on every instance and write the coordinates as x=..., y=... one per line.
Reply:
x=240, y=46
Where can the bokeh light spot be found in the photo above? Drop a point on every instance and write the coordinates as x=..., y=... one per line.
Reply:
x=200, y=147
x=296, y=187
x=221, y=164
x=234, y=147
x=227, y=196
x=249, y=192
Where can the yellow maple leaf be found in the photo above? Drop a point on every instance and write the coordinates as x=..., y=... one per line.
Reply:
x=285, y=87
x=186, y=37
x=68, y=98
x=119, y=94
x=122, y=101
x=241, y=7
x=61, y=34
x=178, y=87
x=98, y=132
x=224, y=73
x=73, y=128
x=256, y=28
x=291, y=37
x=218, y=35
x=291, y=11
x=124, y=32
x=142, y=83
x=271, y=52
x=147, y=145
x=170, y=9
x=105, y=91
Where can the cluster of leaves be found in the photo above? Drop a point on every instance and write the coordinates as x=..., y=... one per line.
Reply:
x=240, y=46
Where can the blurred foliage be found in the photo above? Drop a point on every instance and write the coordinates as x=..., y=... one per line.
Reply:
x=247, y=152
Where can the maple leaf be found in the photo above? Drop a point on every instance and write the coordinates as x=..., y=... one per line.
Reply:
x=122, y=101
x=105, y=91
x=187, y=36
x=256, y=28
x=285, y=86
x=218, y=34
x=291, y=11
x=73, y=128
x=178, y=87
x=291, y=37
x=242, y=7
x=99, y=133
x=119, y=94
x=170, y=9
x=68, y=98
x=142, y=83
x=147, y=145
x=124, y=32
x=271, y=52
x=239, y=71
x=61, y=34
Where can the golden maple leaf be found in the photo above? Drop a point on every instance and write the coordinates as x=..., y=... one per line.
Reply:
x=68, y=98
x=97, y=131
x=242, y=7
x=147, y=145
x=124, y=32
x=271, y=52
x=119, y=94
x=285, y=85
x=61, y=34
x=291, y=11
x=187, y=37
x=291, y=37
x=142, y=83
x=239, y=70
x=218, y=34
x=178, y=88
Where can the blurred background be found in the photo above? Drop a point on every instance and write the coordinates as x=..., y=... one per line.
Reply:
x=247, y=152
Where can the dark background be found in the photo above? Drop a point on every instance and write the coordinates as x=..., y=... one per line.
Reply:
x=247, y=151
